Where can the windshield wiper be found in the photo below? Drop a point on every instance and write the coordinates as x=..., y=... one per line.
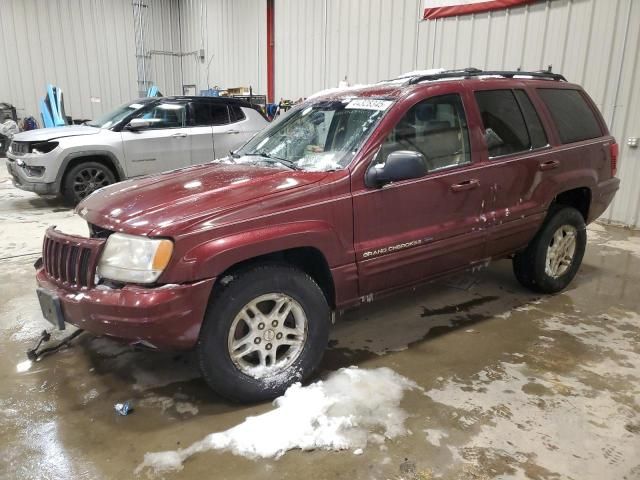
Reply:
x=269, y=158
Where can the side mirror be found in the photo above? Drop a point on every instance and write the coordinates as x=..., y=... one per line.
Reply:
x=137, y=124
x=400, y=165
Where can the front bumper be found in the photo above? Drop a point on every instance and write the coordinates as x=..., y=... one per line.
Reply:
x=167, y=317
x=23, y=181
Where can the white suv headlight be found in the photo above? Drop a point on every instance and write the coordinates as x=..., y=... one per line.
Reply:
x=134, y=259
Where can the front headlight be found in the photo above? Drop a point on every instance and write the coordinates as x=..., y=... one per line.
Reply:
x=43, y=147
x=134, y=259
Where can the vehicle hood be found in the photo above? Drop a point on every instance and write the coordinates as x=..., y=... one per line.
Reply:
x=167, y=203
x=44, y=134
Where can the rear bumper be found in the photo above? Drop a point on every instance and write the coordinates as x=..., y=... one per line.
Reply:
x=166, y=318
x=601, y=196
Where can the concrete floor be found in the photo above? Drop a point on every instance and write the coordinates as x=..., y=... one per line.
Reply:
x=515, y=385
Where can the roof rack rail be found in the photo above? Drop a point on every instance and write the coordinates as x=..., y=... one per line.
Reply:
x=476, y=72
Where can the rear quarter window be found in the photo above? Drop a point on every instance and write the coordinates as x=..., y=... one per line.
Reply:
x=236, y=113
x=572, y=115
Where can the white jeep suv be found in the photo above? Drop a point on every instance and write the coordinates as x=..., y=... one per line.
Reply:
x=148, y=135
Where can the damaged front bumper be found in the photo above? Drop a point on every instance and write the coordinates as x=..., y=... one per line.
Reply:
x=168, y=317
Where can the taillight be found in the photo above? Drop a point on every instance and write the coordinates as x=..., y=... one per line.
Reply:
x=614, y=150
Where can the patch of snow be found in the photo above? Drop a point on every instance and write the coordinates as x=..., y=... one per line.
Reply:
x=434, y=437
x=336, y=90
x=358, y=451
x=338, y=413
x=90, y=395
x=186, y=407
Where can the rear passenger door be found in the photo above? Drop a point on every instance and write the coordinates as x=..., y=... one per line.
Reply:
x=518, y=158
x=233, y=134
x=204, y=115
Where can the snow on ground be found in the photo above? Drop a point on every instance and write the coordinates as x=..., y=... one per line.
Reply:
x=349, y=409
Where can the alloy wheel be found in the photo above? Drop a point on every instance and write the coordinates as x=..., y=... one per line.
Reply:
x=561, y=251
x=88, y=180
x=267, y=335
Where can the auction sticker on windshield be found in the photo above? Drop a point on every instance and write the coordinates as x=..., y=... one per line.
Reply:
x=369, y=104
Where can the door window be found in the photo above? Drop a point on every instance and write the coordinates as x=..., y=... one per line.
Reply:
x=207, y=114
x=436, y=128
x=166, y=115
x=505, y=130
x=574, y=118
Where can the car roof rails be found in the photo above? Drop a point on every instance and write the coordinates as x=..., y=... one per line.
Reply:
x=467, y=73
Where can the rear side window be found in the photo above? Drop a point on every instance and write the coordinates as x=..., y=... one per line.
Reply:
x=236, y=113
x=536, y=131
x=571, y=113
x=505, y=130
x=205, y=114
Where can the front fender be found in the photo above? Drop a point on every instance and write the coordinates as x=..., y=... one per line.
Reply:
x=89, y=153
x=212, y=257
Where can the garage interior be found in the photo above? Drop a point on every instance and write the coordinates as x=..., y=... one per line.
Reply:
x=504, y=383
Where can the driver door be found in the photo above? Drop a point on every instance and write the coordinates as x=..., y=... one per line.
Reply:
x=415, y=229
x=166, y=145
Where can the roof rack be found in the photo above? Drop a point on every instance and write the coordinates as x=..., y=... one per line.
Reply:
x=476, y=72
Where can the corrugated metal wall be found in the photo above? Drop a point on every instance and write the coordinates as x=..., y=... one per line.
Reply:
x=233, y=36
x=83, y=46
x=321, y=42
x=593, y=42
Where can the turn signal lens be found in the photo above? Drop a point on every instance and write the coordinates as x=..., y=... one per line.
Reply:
x=163, y=255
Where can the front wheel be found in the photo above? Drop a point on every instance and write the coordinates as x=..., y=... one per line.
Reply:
x=84, y=179
x=553, y=257
x=264, y=330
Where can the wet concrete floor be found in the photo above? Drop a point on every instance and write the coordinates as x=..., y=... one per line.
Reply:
x=515, y=385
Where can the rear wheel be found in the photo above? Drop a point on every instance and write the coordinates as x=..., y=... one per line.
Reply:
x=553, y=257
x=266, y=329
x=84, y=179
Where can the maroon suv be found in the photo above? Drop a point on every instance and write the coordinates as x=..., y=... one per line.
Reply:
x=351, y=195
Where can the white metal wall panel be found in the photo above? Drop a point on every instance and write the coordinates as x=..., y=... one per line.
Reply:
x=233, y=36
x=83, y=46
x=319, y=43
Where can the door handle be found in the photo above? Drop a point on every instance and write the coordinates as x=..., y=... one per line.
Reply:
x=233, y=132
x=466, y=185
x=550, y=165
x=179, y=135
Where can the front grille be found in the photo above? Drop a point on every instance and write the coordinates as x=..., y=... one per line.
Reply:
x=19, y=148
x=70, y=260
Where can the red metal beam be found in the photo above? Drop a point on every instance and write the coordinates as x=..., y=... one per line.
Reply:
x=270, y=53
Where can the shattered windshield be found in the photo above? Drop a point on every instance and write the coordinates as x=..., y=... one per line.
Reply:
x=319, y=137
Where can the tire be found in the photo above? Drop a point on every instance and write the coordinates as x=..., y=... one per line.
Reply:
x=530, y=266
x=85, y=178
x=244, y=378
